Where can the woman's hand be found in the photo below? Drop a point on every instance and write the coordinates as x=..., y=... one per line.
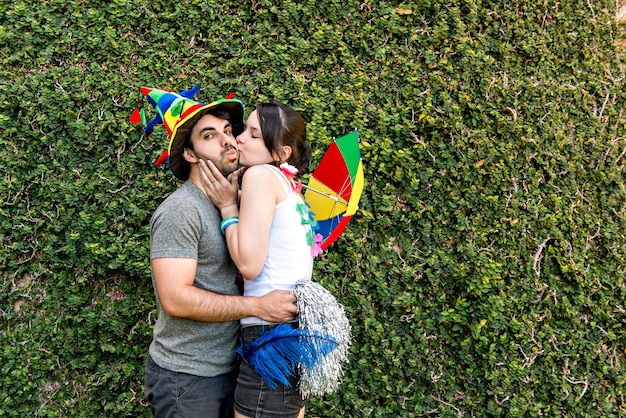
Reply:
x=222, y=191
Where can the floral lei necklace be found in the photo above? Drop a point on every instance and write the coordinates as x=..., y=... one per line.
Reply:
x=313, y=239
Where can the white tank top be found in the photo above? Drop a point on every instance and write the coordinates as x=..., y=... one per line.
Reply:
x=288, y=254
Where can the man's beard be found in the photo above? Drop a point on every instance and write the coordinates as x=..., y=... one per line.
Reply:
x=225, y=169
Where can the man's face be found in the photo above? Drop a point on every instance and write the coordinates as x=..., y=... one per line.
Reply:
x=213, y=140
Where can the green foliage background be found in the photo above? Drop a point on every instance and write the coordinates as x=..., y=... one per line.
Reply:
x=485, y=272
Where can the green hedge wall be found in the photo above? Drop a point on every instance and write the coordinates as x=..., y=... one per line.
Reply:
x=484, y=274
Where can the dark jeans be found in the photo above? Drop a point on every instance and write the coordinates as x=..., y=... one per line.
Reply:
x=181, y=395
x=254, y=399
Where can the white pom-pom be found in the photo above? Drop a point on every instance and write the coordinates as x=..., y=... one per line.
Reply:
x=320, y=311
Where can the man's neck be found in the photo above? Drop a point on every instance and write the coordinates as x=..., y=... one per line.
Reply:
x=194, y=177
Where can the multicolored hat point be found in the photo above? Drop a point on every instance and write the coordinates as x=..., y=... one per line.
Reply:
x=179, y=113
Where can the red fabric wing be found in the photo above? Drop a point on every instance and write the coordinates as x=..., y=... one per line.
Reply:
x=333, y=172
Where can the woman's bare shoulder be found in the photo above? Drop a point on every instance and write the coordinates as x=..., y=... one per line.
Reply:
x=260, y=171
x=258, y=175
x=260, y=179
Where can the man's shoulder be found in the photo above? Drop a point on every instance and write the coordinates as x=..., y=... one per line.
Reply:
x=186, y=204
x=185, y=195
x=179, y=202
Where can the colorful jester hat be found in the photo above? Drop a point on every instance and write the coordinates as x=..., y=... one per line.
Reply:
x=179, y=113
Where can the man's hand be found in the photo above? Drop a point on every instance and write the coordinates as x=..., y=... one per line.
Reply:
x=277, y=306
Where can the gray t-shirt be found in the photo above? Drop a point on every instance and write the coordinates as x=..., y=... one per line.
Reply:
x=187, y=225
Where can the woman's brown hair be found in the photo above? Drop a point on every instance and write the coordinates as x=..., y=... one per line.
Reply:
x=282, y=125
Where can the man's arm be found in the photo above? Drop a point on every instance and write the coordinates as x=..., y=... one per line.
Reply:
x=174, y=279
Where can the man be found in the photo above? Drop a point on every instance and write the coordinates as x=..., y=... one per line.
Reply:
x=191, y=367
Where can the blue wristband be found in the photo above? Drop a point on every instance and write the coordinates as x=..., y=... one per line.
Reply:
x=231, y=220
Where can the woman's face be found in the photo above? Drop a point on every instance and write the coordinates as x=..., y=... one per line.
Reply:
x=252, y=149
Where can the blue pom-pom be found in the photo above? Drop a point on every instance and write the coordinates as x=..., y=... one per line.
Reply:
x=276, y=354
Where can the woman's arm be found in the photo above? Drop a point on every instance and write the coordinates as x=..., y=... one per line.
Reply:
x=247, y=240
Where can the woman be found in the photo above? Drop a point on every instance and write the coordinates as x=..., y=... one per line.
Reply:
x=269, y=236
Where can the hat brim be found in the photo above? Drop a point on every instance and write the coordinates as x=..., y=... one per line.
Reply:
x=182, y=130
